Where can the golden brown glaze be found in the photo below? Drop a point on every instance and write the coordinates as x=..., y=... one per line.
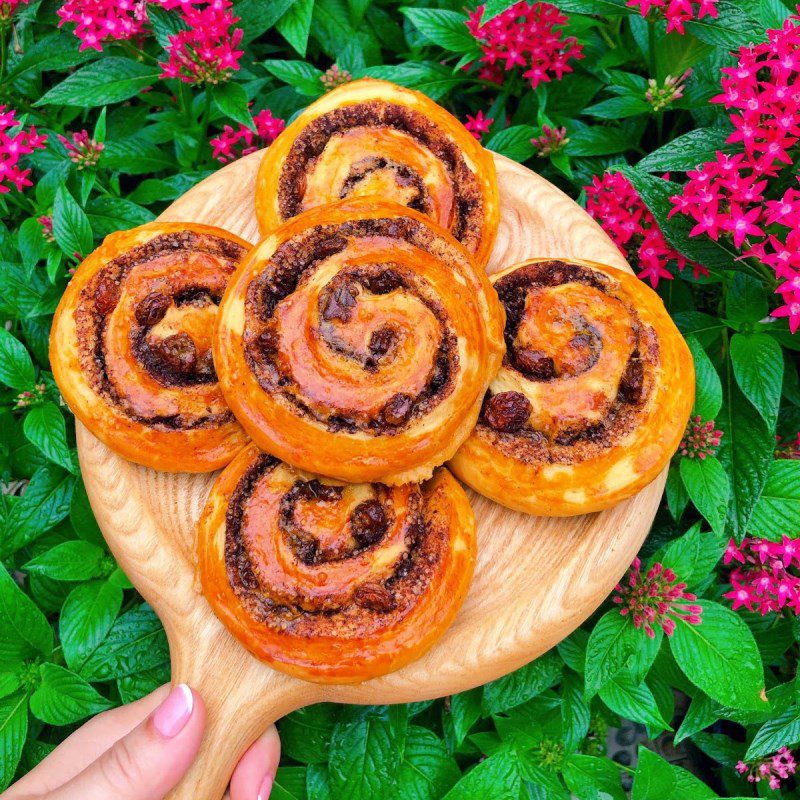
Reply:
x=333, y=582
x=357, y=341
x=370, y=138
x=593, y=395
x=131, y=345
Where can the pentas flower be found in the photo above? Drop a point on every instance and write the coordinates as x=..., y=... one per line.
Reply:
x=700, y=440
x=656, y=598
x=788, y=450
x=478, y=125
x=550, y=141
x=672, y=89
x=100, y=21
x=333, y=77
x=31, y=398
x=82, y=149
x=7, y=9
x=47, y=227
x=15, y=142
x=615, y=204
x=207, y=51
x=528, y=36
x=676, y=12
x=232, y=144
x=765, y=575
x=773, y=769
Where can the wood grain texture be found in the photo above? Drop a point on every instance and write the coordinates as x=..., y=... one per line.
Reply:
x=536, y=579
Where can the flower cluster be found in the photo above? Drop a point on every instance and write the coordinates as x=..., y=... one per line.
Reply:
x=550, y=141
x=333, y=77
x=773, y=769
x=615, y=204
x=31, y=398
x=206, y=52
x=726, y=196
x=7, y=9
x=788, y=450
x=656, y=598
x=478, y=125
x=47, y=227
x=100, y=21
x=661, y=97
x=676, y=12
x=82, y=149
x=15, y=142
x=525, y=35
x=700, y=440
x=232, y=144
x=764, y=577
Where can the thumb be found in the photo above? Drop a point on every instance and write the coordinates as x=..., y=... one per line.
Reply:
x=150, y=760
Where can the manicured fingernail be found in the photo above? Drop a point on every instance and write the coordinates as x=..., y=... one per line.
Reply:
x=265, y=788
x=171, y=716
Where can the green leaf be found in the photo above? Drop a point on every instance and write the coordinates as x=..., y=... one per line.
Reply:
x=428, y=77
x=51, y=53
x=465, y=710
x=427, y=770
x=165, y=25
x=108, y=80
x=303, y=77
x=709, y=489
x=701, y=714
x=109, y=214
x=71, y=225
x=654, y=778
x=30, y=242
x=497, y=777
x=694, y=555
x=575, y=712
x=257, y=17
x=491, y=8
x=134, y=687
x=136, y=642
x=22, y=620
x=687, y=151
x=587, y=776
x=82, y=518
x=69, y=561
x=720, y=657
x=611, y=643
x=135, y=155
x=513, y=142
x=16, y=366
x=778, y=509
x=746, y=300
x=676, y=494
x=633, y=702
x=600, y=140
x=783, y=731
x=708, y=386
x=86, y=618
x=45, y=428
x=448, y=29
x=523, y=684
x=306, y=733
x=13, y=731
x=231, y=99
x=289, y=784
x=618, y=108
x=295, y=24
x=608, y=8
x=730, y=30
x=758, y=366
x=64, y=697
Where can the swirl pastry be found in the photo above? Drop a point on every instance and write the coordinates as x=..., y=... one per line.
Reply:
x=593, y=395
x=372, y=138
x=357, y=341
x=334, y=582
x=131, y=345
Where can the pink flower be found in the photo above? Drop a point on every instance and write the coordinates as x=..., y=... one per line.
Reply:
x=773, y=769
x=7, y=9
x=676, y=12
x=232, y=144
x=15, y=142
x=47, y=227
x=206, y=52
x=31, y=398
x=700, y=439
x=550, y=141
x=82, y=151
x=333, y=77
x=788, y=450
x=99, y=21
x=660, y=97
x=655, y=598
x=478, y=125
x=525, y=35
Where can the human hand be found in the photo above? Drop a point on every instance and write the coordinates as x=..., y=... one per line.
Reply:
x=140, y=752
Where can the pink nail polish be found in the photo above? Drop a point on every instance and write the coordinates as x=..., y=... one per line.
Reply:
x=171, y=716
x=265, y=788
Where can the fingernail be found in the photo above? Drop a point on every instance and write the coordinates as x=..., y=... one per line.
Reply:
x=265, y=788
x=171, y=716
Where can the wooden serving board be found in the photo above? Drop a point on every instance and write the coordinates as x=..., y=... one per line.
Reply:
x=536, y=579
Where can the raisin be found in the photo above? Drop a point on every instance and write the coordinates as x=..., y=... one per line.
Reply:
x=507, y=411
x=340, y=303
x=398, y=409
x=632, y=383
x=381, y=342
x=205, y=366
x=179, y=353
x=322, y=491
x=535, y=364
x=383, y=283
x=368, y=522
x=106, y=296
x=307, y=551
x=375, y=597
x=152, y=308
x=267, y=342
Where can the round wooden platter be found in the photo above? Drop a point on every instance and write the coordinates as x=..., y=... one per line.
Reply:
x=536, y=579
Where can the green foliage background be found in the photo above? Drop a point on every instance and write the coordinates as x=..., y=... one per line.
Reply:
x=75, y=638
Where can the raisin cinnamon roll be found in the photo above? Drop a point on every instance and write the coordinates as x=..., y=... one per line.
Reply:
x=334, y=582
x=593, y=395
x=131, y=345
x=373, y=138
x=357, y=341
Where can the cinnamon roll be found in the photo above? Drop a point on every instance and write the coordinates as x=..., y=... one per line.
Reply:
x=130, y=345
x=373, y=138
x=333, y=582
x=357, y=341
x=593, y=395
